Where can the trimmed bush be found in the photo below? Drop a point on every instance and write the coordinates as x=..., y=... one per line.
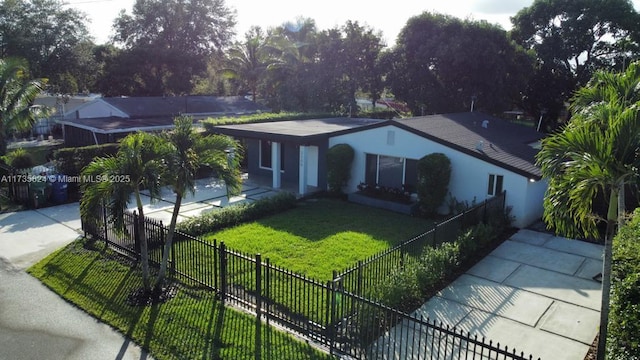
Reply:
x=623, y=341
x=20, y=159
x=71, y=161
x=339, y=159
x=419, y=279
x=434, y=172
x=237, y=214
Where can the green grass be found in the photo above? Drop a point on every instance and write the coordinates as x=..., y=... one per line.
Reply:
x=319, y=237
x=193, y=325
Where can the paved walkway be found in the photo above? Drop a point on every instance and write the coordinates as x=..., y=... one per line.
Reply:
x=210, y=195
x=534, y=293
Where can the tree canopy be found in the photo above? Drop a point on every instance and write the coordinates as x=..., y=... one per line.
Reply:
x=50, y=36
x=442, y=64
x=571, y=40
x=167, y=43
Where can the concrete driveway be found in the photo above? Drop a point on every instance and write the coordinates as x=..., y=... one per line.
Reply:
x=533, y=293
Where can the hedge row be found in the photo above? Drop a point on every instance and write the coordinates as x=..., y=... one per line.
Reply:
x=420, y=278
x=623, y=341
x=261, y=117
x=237, y=214
x=71, y=161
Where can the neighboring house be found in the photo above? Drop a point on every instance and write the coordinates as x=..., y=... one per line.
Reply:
x=106, y=120
x=57, y=106
x=487, y=155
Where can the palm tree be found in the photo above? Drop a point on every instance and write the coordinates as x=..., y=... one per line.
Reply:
x=248, y=61
x=597, y=152
x=17, y=93
x=185, y=152
x=138, y=163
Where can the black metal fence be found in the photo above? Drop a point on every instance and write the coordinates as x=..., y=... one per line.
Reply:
x=334, y=314
x=368, y=273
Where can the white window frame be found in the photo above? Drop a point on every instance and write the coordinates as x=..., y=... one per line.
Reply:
x=493, y=191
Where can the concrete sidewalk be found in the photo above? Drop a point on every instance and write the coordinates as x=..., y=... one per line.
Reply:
x=533, y=293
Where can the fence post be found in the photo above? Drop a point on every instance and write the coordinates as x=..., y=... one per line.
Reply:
x=359, y=286
x=173, y=256
x=136, y=235
x=223, y=272
x=258, y=306
x=332, y=331
x=216, y=251
x=105, y=224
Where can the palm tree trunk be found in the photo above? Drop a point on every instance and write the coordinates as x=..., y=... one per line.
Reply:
x=168, y=244
x=144, y=250
x=615, y=214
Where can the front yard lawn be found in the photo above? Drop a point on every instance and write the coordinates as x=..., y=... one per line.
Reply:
x=193, y=325
x=322, y=235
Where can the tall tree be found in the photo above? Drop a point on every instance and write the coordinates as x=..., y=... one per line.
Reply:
x=596, y=153
x=44, y=32
x=248, y=61
x=17, y=92
x=172, y=41
x=572, y=39
x=441, y=63
x=185, y=152
x=138, y=164
x=291, y=82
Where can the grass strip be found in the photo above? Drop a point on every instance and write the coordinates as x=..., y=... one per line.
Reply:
x=192, y=325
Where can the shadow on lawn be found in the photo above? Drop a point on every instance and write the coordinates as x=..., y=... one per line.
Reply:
x=192, y=325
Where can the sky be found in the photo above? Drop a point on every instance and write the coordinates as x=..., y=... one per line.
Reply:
x=389, y=17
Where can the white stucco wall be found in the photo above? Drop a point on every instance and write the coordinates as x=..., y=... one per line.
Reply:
x=95, y=109
x=469, y=175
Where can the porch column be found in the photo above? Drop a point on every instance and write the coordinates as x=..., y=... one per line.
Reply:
x=302, y=171
x=276, y=166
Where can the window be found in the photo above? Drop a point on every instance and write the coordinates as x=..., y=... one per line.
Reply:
x=265, y=155
x=495, y=184
x=390, y=171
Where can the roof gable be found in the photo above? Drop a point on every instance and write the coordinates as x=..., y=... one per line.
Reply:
x=502, y=143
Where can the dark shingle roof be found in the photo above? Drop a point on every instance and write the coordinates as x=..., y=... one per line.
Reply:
x=504, y=144
x=140, y=107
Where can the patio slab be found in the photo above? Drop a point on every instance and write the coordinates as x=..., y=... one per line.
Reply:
x=539, y=300
x=576, y=247
x=531, y=237
x=539, y=256
x=494, y=268
x=557, y=286
x=571, y=321
x=505, y=301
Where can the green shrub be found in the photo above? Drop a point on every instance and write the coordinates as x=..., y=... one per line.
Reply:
x=410, y=286
x=401, y=289
x=237, y=214
x=339, y=159
x=623, y=341
x=434, y=172
x=20, y=159
x=71, y=161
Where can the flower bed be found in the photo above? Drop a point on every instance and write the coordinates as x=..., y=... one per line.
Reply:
x=393, y=199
